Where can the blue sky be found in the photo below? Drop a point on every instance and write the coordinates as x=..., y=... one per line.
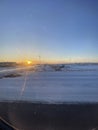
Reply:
x=57, y=30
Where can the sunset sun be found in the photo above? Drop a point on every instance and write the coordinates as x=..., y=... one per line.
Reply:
x=29, y=62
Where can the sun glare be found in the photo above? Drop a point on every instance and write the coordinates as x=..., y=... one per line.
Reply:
x=29, y=62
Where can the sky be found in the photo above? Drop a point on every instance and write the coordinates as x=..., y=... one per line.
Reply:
x=54, y=30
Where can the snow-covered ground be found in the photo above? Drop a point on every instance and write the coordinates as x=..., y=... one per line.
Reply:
x=50, y=83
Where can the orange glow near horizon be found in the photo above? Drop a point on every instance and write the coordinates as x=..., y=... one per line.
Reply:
x=31, y=61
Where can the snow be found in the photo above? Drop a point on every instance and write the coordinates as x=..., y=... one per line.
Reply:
x=41, y=83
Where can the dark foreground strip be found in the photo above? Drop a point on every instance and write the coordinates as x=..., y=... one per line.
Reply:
x=43, y=116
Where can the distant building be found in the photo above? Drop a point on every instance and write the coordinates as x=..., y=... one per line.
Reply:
x=7, y=64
